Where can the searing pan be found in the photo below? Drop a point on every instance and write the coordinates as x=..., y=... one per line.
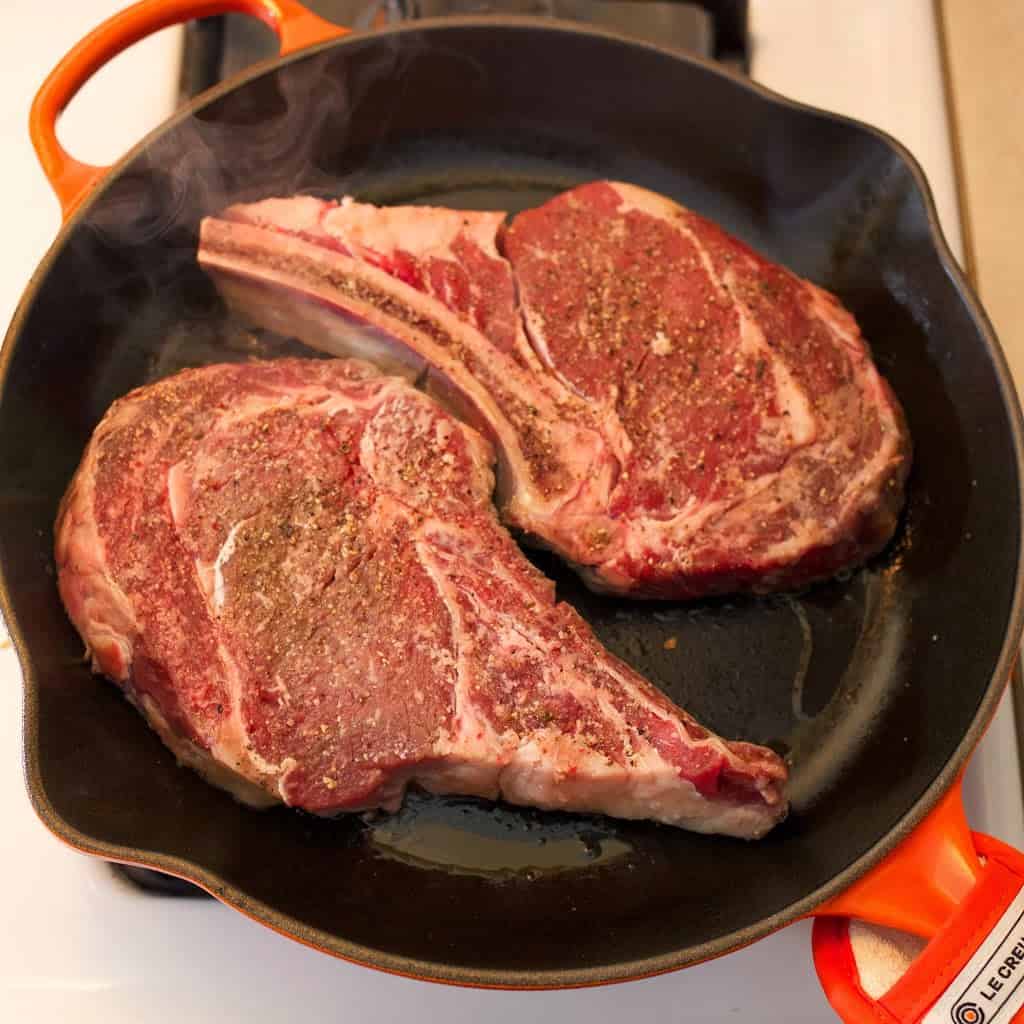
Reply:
x=876, y=685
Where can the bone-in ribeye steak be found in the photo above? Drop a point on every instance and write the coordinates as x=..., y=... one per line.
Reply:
x=295, y=571
x=673, y=414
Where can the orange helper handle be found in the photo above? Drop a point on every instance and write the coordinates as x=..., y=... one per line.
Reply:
x=922, y=883
x=71, y=180
x=961, y=890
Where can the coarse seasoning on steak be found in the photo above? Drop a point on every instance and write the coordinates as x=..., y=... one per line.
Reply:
x=673, y=414
x=294, y=570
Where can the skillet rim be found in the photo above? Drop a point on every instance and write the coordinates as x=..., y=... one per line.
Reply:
x=522, y=979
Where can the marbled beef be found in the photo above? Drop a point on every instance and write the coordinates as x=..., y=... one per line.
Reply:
x=673, y=414
x=295, y=571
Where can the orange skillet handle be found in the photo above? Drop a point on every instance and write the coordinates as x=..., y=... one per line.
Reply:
x=296, y=27
x=965, y=893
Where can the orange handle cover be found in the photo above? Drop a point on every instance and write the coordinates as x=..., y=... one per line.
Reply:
x=923, y=882
x=934, y=885
x=71, y=180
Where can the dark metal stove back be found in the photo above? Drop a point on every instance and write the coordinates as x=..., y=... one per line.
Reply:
x=217, y=48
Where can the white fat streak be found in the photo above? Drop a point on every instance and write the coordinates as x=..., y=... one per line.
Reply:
x=840, y=320
x=794, y=404
x=474, y=739
x=204, y=762
x=425, y=232
x=872, y=475
x=105, y=614
x=639, y=199
x=667, y=538
x=279, y=687
x=791, y=399
x=233, y=746
x=804, y=534
x=297, y=213
x=227, y=549
x=632, y=197
x=368, y=453
x=310, y=399
x=689, y=520
x=177, y=493
x=533, y=322
x=660, y=344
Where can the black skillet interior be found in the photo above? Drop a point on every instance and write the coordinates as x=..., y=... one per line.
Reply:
x=870, y=682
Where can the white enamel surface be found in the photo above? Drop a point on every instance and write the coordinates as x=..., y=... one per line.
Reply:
x=78, y=945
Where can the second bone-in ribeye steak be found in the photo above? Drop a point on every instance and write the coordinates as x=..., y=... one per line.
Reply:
x=674, y=414
x=295, y=571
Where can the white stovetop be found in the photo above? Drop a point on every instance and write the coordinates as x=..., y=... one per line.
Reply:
x=79, y=945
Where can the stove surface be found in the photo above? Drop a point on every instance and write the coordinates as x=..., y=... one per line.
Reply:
x=84, y=944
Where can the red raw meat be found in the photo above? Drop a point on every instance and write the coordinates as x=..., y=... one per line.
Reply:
x=295, y=571
x=673, y=414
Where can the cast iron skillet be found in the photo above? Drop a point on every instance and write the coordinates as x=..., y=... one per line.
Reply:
x=877, y=684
